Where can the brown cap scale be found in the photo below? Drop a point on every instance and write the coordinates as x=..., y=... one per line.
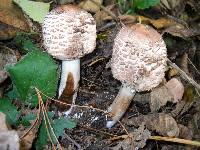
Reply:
x=139, y=62
x=69, y=33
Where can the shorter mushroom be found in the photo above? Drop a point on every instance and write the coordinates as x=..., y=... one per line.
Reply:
x=69, y=33
x=139, y=62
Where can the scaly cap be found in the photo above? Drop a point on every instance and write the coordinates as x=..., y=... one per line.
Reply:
x=139, y=57
x=69, y=32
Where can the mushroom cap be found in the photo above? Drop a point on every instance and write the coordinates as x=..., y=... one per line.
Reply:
x=69, y=32
x=139, y=57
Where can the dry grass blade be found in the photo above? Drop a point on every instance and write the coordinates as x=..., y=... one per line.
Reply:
x=33, y=125
x=161, y=138
x=106, y=10
x=47, y=121
x=176, y=140
x=184, y=75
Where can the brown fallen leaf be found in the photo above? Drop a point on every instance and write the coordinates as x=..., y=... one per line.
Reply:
x=176, y=88
x=100, y=17
x=27, y=141
x=181, y=31
x=172, y=91
x=159, y=97
x=162, y=123
x=90, y=6
x=136, y=139
x=7, y=57
x=9, y=17
x=27, y=136
x=7, y=32
x=172, y=72
x=11, y=20
x=185, y=132
x=160, y=23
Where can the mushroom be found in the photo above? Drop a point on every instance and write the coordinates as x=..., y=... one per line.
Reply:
x=139, y=62
x=69, y=33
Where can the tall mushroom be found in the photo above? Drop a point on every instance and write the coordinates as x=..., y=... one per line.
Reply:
x=69, y=33
x=139, y=62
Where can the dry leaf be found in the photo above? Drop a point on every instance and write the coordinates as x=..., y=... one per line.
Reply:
x=172, y=91
x=9, y=17
x=157, y=23
x=176, y=88
x=12, y=19
x=184, y=63
x=185, y=132
x=100, y=17
x=159, y=97
x=162, y=23
x=7, y=32
x=90, y=6
x=7, y=57
x=162, y=123
x=136, y=139
x=27, y=141
x=181, y=31
x=172, y=72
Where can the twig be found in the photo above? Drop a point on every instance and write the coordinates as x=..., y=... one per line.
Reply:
x=175, y=140
x=41, y=106
x=95, y=61
x=50, y=126
x=46, y=118
x=193, y=66
x=106, y=10
x=184, y=75
x=33, y=125
x=167, y=139
x=70, y=139
x=95, y=130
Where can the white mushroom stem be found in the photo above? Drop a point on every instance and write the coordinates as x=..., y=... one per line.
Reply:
x=120, y=104
x=70, y=70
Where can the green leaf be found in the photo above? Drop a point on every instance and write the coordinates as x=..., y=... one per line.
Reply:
x=13, y=94
x=143, y=4
x=11, y=112
x=42, y=137
x=58, y=126
x=36, y=69
x=23, y=41
x=35, y=10
x=26, y=119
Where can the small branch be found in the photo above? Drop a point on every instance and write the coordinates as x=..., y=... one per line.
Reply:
x=46, y=120
x=106, y=10
x=70, y=139
x=184, y=75
x=175, y=140
x=167, y=139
